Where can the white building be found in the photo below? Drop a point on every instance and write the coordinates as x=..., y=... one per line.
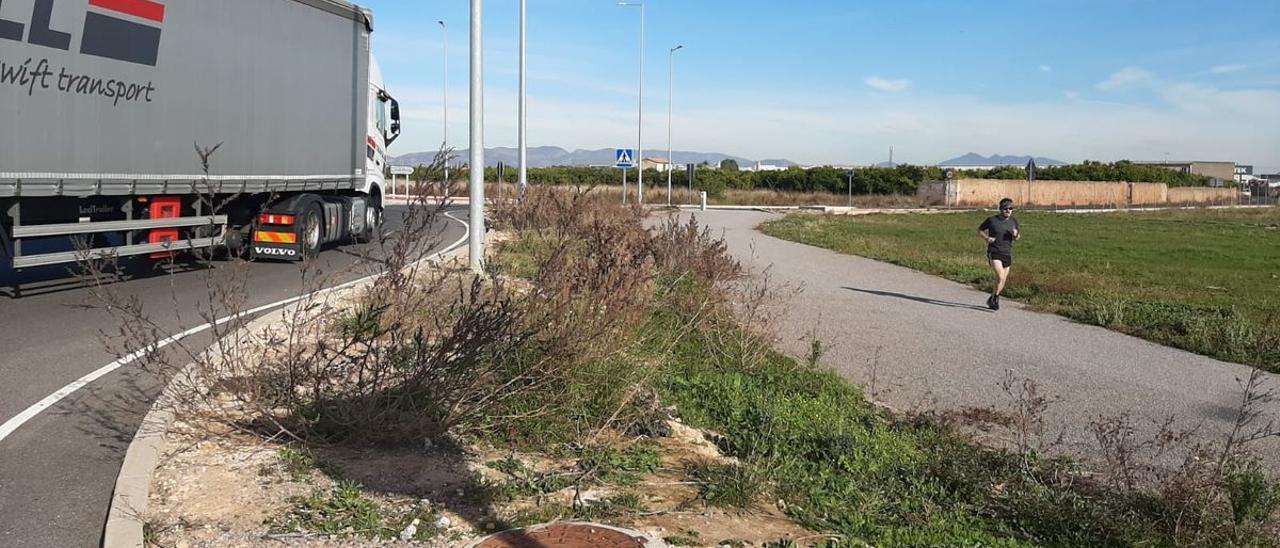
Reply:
x=763, y=167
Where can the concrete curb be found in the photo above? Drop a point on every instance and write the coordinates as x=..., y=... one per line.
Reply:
x=126, y=517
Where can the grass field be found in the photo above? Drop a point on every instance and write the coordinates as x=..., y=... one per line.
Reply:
x=1204, y=280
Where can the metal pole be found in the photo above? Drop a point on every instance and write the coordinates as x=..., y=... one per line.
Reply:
x=444, y=94
x=624, y=186
x=670, y=159
x=524, y=142
x=640, y=117
x=851, y=188
x=476, y=236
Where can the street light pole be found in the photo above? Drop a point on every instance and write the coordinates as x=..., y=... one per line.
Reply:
x=476, y=236
x=640, y=110
x=671, y=163
x=851, y=173
x=444, y=99
x=523, y=179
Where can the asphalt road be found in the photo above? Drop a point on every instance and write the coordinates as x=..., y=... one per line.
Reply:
x=57, y=470
x=920, y=342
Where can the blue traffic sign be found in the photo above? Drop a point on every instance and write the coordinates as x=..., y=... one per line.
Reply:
x=624, y=158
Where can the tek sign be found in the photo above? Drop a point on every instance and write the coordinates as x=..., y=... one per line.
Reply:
x=401, y=170
x=624, y=158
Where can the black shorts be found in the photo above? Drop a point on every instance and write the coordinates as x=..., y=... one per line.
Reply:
x=1006, y=258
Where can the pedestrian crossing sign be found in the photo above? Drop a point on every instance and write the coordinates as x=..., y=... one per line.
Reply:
x=624, y=158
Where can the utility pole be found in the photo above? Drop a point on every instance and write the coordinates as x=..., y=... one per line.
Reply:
x=476, y=236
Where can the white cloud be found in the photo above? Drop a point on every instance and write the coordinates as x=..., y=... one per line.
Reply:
x=885, y=84
x=1046, y=68
x=1187, y=120
x=1125, y=77
x=1200, y=99
x=1223, y=69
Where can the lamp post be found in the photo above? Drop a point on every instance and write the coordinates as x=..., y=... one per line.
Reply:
x=523, y=179
x=640, y=109
x=475, y=246
x=444, y=98
x=852, y=172
x=671, y=163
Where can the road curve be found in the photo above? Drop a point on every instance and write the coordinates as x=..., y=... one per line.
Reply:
x=932, y=344
x=58, y=469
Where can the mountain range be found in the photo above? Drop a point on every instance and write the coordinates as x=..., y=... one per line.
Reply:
x=975, y=159
x=549, y=156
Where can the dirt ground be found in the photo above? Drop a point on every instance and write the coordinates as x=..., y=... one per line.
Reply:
x=219, y=488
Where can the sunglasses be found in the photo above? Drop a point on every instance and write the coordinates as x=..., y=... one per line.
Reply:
x=1006, y=209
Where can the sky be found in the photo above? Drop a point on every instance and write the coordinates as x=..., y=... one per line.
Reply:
x=842, y=81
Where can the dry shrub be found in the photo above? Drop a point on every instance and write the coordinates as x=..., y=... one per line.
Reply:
x=425, y=352
x=434, y=353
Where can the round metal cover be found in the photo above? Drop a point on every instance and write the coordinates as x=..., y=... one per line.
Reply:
x=567, y=535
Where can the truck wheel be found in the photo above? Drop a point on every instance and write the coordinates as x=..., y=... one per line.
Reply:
x=309, y=231
x=372, y=225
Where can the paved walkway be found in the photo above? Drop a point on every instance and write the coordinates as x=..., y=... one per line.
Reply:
x=933, y=344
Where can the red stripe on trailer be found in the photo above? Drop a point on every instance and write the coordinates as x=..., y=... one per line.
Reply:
x=146, y=9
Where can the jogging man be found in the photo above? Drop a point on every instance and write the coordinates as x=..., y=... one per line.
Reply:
x=999, y=232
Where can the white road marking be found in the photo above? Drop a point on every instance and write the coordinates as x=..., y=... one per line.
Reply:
x=29, y=413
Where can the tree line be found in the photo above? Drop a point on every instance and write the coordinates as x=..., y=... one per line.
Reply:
x=900, y=179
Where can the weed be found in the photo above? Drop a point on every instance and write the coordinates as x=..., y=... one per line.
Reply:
x=614, y=506
x=342, y=510
x=621, y=467
x=524, y=482
x=688, y=538
x=727, y=485
x=362, y=323
x=298, y=463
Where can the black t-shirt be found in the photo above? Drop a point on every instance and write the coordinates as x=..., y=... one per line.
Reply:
x=1002, y=230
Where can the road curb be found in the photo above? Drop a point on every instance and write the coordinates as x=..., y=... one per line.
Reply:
x=126, y=518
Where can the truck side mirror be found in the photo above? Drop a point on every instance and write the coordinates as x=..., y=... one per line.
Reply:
x=395, y=121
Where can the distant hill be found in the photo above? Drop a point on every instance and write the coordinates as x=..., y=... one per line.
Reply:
x=975, y=159
x=550, y=156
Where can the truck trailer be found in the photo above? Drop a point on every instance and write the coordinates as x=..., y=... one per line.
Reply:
x=153, y=127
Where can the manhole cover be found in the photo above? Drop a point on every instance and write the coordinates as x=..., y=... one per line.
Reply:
x=566, y=535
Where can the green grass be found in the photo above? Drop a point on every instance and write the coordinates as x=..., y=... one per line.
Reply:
x=1207, y=281
x=345, y=511
x=809, y=438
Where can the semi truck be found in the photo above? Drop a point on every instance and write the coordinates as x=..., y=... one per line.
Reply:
x=155, y=127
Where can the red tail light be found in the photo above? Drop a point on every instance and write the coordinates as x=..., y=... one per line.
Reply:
x=274, y=219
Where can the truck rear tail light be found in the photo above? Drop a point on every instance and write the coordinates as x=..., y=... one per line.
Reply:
x=275, y=219
x=164, y=207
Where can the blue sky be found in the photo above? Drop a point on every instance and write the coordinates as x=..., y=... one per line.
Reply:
x=821, y=81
